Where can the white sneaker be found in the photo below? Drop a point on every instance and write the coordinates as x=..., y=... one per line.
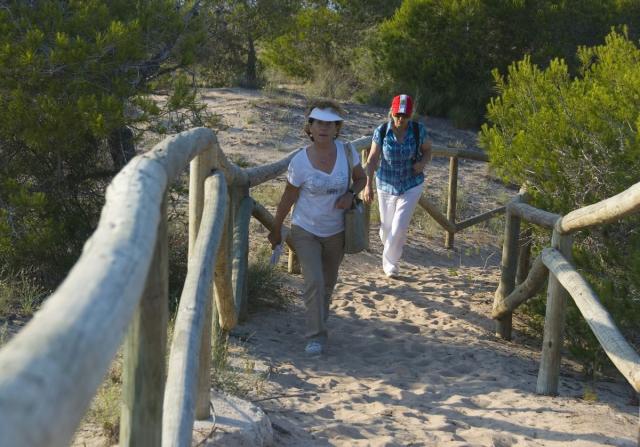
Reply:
x=392, y=275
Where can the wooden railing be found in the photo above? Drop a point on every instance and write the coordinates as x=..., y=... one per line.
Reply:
x=564, y=280
x=118, y=290
x=51, y=369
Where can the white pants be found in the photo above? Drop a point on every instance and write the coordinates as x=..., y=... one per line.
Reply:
x=395, y=216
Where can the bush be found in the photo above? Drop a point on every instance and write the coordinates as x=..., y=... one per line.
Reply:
x=574, y=142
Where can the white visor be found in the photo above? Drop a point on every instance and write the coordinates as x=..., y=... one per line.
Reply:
x=325, y=115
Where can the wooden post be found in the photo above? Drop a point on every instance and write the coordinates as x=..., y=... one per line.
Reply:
x=453, y=197
x=508, y=267
x=524, y=255
x=203, y=398
x=241, y=255
x=144, y=371
x=200, y=168
x=549, y=372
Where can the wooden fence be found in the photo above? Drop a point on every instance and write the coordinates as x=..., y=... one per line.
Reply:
x=118, y=291
x=518, y=283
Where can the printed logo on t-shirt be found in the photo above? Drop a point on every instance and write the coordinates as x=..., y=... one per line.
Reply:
x=319, y=185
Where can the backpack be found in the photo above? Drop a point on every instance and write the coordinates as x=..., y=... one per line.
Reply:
x=416, y=135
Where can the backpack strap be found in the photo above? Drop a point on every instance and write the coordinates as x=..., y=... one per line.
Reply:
x=416, y=135
x=383, y=133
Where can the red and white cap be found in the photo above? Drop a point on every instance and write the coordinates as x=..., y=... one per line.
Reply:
x=402, y=104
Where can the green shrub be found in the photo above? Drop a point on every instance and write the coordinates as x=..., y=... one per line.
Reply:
x=574, y=142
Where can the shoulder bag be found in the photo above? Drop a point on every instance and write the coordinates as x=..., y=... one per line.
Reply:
x=355, y=237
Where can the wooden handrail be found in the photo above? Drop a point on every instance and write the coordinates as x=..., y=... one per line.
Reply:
x=566, y=280
x=605, y=211
x=49, y=385
x=533, y=215
x=179, y=400
x=604, y=328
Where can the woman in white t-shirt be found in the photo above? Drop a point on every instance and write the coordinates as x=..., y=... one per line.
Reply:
x=317, y=183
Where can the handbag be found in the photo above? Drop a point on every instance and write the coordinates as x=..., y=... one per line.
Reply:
x=355, y=237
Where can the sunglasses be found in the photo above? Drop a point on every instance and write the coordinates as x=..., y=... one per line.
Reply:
x=401, y=115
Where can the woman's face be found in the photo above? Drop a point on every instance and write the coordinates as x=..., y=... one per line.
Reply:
x=400, y=120
x=323, y=131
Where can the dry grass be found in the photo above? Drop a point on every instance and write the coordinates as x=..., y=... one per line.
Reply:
x=20, y=294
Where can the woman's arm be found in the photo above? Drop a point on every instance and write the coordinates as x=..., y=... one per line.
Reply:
x=289, y=197
x=372, y=164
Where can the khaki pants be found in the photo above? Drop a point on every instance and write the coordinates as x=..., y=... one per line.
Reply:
x=319, y=258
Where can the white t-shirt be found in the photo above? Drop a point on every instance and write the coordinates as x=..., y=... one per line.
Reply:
x=315, y=210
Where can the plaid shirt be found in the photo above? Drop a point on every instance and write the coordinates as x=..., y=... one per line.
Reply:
x=395, y=173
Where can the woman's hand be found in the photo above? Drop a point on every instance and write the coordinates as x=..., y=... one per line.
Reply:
x=418, y=166
x=345, y=201
x=367, y=195
x=275, y=237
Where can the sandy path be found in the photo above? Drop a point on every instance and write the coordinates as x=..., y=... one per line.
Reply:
x=411, y=361
x=414, y=362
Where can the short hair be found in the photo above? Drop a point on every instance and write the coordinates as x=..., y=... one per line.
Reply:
x=322, y=104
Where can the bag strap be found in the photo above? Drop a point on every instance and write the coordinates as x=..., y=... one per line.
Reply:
x=349, y=155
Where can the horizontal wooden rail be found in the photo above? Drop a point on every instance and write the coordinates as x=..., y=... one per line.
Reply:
x=51, y=369
x=179, y=398
x=605, y=211
x=479, y=218
x=263, y=216
x=604, y=328
x=524, y=291
x=260, y=174
x=533, y=215
x=436, y=214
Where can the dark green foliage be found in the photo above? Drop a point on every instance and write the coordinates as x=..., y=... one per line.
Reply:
x=444, y=50
x=71, y=72
x=574, y=142
x=323, y=43
x=236, y=29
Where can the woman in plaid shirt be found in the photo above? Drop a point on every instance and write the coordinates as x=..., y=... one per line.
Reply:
x=400, y=156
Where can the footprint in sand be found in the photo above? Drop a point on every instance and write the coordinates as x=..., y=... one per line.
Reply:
x=381, y=333
x=503, y=440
